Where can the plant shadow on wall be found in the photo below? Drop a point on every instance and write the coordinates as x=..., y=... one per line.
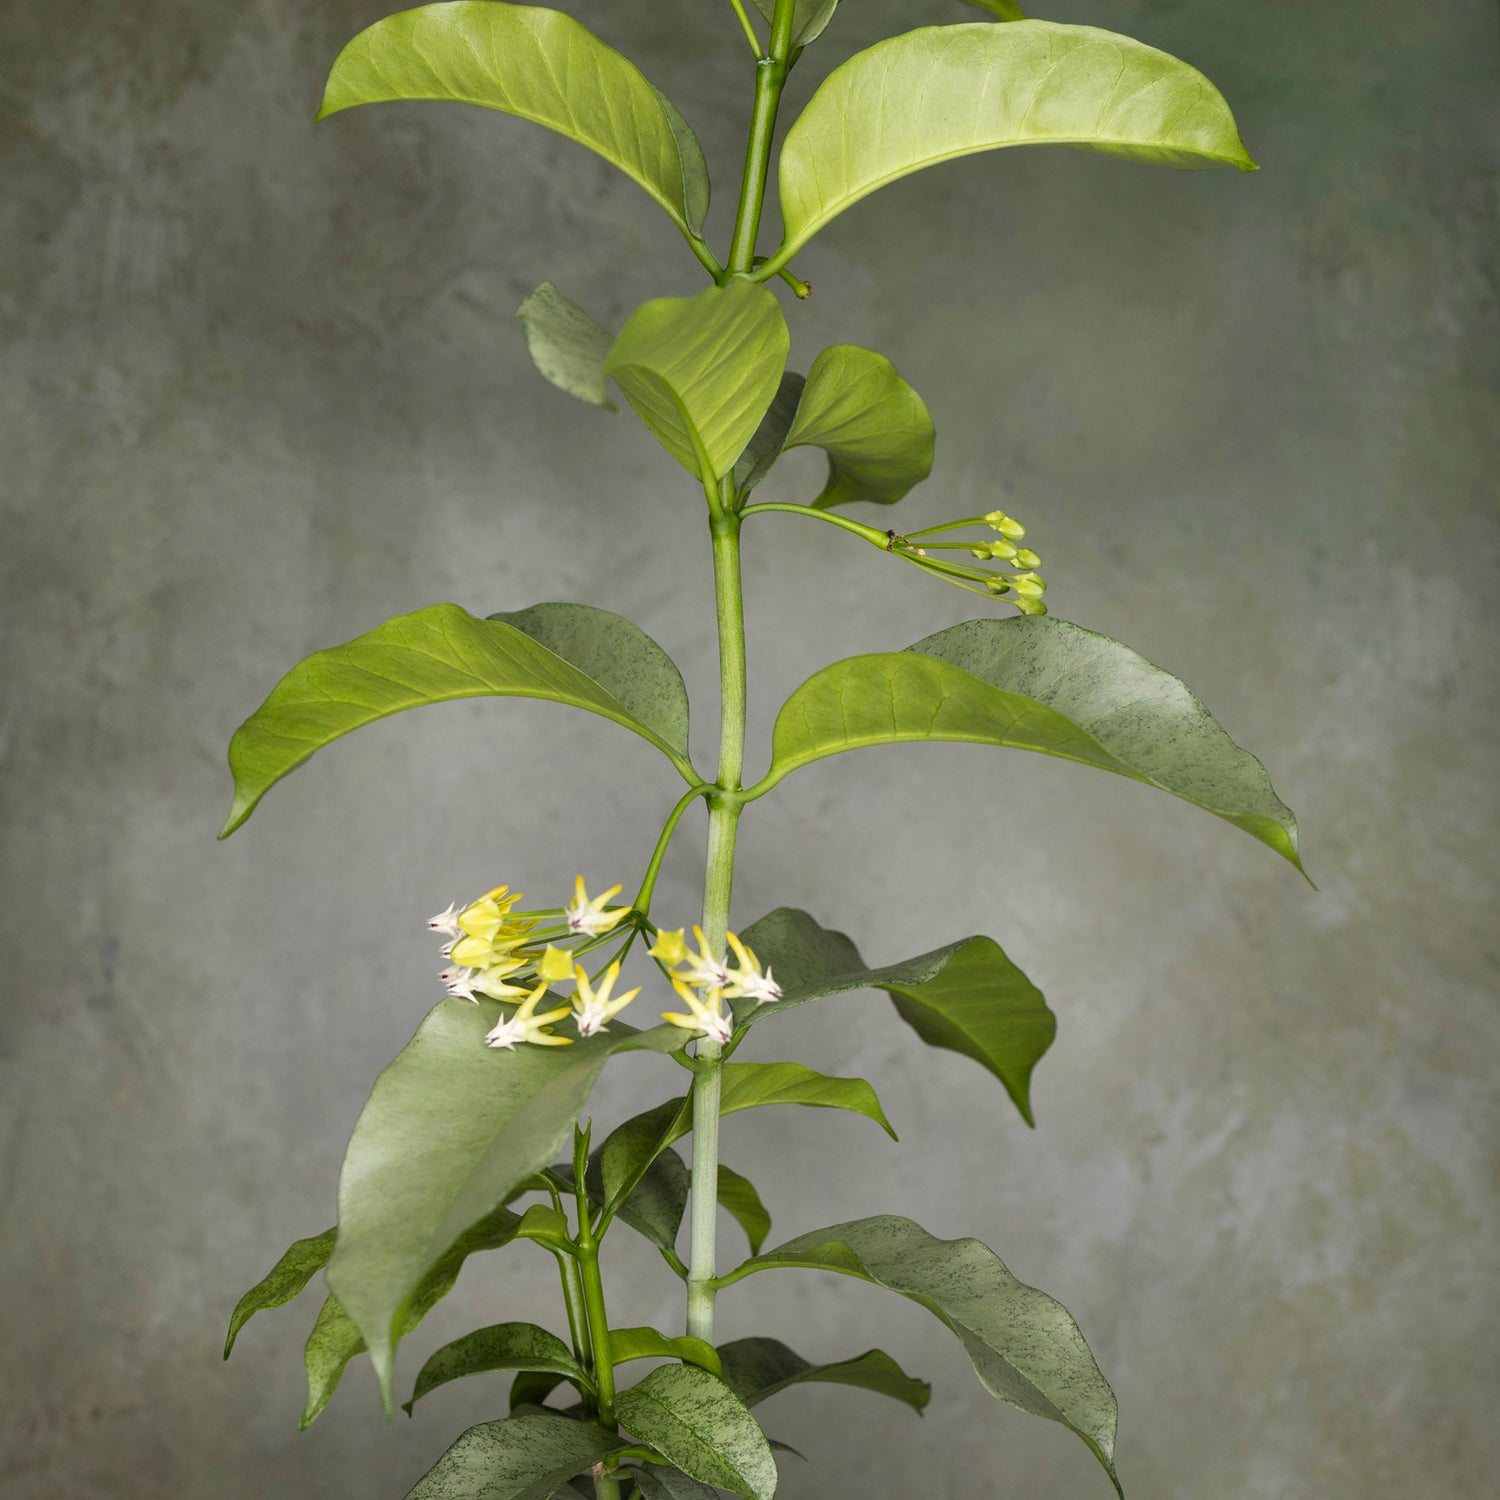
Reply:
x=471, y=1140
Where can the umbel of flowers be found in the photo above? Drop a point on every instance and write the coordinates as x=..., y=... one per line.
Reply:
x=507, y=955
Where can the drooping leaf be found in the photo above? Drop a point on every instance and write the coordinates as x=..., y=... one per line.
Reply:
x=701, y=371
x=335, y=1341
x=658, y=1483
x=966, y=996
x=1035, y=684
x=504, y=1346
x=451, y=1129
x=808, y=20
x=1002, y=10
x=750, y=1085
x=302, y=1261
x=874, y=427
x=945, y=91
x=567, y=346
x=765, y=446
x=698, y=1424
x=441, y=653
x=532, y=1387
x=740, y=1200
x=1024, y=1346
x=538, y=64
x=626, y=1344
x=757, y=1368
x=517, y=1458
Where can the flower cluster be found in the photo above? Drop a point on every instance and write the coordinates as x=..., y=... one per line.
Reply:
x=1017, y=581
x=699, y=970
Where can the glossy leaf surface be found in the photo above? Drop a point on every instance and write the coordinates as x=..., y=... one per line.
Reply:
x=442, y=653
x=757, y=1368
x=566, y=345
x=301, y=1262
x=1036, y=684
x=946, y=91
x=740, y=1200
x=504, y=1346
x=626, y=1344
x=1024, y=1345
x=450, y=1130
x=699, y=1425
x=540, y=65
x=517, y=1458
x=751, y=1085
x=967, y=996
x=875, y=429
x=808, y=20
x=701, y=371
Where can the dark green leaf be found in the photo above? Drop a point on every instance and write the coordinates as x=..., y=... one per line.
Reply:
x=441, y=653
x=765, y=446
x=540, y=65
x=626, y=1344
x=1024, y=1346
x=1035, y=684
x=302, y=1261
x=757, y=1368
x=1002, y=10
x=750, y=1085
x=874, y=427
x=698, y=1424
x=517, y=1458
x=967, y=996
x=532, y=1387
x=567, y=346
x=739, y=1199
x=701, y=371
x=808, y=20
x=1031, y=83
x=630, y=1148
x=657, y=1483
x=451, y=1129
x=505, y=1346
x=334, y=1339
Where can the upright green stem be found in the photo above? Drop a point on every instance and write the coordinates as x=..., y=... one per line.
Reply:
x=770, y=78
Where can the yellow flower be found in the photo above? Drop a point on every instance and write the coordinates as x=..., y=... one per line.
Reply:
x=711, y=1021
x=747, y=981
x=526, y=1026
x=555, y=965
x=594, y=1011
x=589, y=916
x=485, y=917
x=670, y=947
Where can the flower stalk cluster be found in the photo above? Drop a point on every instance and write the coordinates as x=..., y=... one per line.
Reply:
x=1016, y=580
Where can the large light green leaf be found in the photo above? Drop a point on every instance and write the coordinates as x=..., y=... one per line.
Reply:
x=541, y=65
x=450, y=1130
x=750, y=1085
x=697, y=1423
x=334, y=1339
x=808, y=20
x=1035, y=684
x=701, y=371
x=1024, y=1346
x=566, y=345
x=441, y=653
x=946, y=91
x=503, y=1346
x=740, y=1200
x=874, y=427
x=518, y=1458
x=302, y=1261
x=966, y=996
x=757, y=1368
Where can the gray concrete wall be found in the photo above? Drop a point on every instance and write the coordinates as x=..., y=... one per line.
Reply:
x=262, y=388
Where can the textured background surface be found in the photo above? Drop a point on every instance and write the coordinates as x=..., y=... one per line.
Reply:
x=262, y=388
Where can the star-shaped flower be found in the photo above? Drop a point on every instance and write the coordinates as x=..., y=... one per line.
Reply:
x=589, y=917
x=446, y=922
x=710, y=1020
x=747, y=981
x=593, y=1009
x=526, y=1026
x=703, y=968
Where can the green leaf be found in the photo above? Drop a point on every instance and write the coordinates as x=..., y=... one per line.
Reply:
x=626, y=1344
x=302, y=1261
x=808, y=20
x=874, y=427
x=546, y=1225
x=540, y=65
x=505, y=1346
x=739, y=1199
x=657, y=1199
x=335, y=1340
x=518, y=1458
x=567, y=346
x=1035, y=684
x=657, y=1483
x=532, y=1387
x=630, y=1148
x=1026, y=84
x=1002, y=10
x=1024, y=1346
x=769, y=439
x=451, y=1129
x=750, y=1085
x=757, y=1368
x=440, y=653
x=966, y=996
x=697, y=1423
x=701, y=371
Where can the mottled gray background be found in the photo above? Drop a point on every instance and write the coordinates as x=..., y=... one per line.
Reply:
x=262, y=388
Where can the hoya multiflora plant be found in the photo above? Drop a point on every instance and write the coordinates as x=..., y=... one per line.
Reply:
x=471, y=1140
